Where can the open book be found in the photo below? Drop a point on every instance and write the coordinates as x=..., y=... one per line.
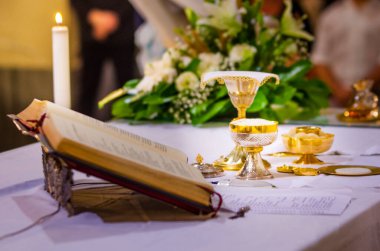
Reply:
x=115, y=155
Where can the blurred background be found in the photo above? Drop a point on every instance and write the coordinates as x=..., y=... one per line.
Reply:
x=26, y=53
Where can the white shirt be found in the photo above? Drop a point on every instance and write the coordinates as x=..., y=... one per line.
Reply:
x=348, y=40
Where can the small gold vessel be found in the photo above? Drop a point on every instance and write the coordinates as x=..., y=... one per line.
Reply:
x=253, y=135
x=308, y=140
x=364, y=106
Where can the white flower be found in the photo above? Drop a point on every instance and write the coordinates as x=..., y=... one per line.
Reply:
x=185, y=61
x=209, y=62
x=146, y=84
x=224, y=16
x=241, y=52
x=187, y=80
x=158, y=71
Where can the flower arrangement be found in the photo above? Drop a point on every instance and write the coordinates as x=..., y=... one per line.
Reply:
x=232, y=37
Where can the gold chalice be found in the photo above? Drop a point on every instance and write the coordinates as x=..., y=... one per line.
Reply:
x=253, y=135
x=308, y=140
x=242, y=87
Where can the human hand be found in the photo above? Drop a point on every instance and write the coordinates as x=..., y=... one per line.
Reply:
x=103, y=23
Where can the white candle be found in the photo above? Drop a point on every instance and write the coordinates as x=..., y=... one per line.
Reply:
x=61, y=64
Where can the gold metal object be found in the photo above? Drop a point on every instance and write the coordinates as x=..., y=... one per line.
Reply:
x=352, y=170
x=333, y=170
x=308, y=146
x=242, y=87
x=284, y=154
x=207, y=170
x=285, y=169
x=305, y=171
x=233, y=161
x=300, y=171
x=364, y=106
x=253, y=135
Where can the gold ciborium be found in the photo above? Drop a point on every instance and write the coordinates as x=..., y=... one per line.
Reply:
x=242, y=87
x=253, y=135
x=307, y=140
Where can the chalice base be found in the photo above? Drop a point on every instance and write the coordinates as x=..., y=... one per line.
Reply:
x=235, y=160
x=307, y=159
x=254, y=168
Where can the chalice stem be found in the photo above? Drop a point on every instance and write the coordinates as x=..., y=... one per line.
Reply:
x=254, y=168
x=241, y=113
x=307, y=159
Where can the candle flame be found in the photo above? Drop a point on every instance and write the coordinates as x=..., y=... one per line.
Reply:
x=58, y=18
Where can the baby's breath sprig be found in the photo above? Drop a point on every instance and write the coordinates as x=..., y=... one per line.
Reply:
x=186, y=100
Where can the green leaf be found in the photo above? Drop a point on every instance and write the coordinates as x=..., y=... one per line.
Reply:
x=118, y=93
x=151, y=112
x=155, y=99
x=268, y=113
x=191, y=16
x=211, y=112
x=122, y=110
x=286, y=111
x=316, y=93
x=246, y=64
x=289, y=25
x=296, y=71
x=193, y=65
x=197, y=110
x=259, y=103
x=221, y=93
x=284, y=93
x=131, y=83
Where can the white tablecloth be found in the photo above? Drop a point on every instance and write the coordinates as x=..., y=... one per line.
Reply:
x=22, y=200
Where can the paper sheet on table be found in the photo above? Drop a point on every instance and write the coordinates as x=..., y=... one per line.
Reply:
x=286, y=201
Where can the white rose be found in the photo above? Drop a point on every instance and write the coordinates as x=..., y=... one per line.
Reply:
x=157, y=71
x=146, y=84
x=209, y=62
x=187, y=80
x=185, y=61
x=241, y=52
x=167, y=75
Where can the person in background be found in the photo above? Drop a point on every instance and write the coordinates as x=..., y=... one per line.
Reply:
x=107, y=33
x=347, y=46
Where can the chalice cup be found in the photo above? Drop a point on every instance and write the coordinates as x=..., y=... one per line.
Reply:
x=242, y=87
x=253, y=135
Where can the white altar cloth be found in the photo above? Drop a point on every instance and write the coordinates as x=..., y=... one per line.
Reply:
x=22, y=200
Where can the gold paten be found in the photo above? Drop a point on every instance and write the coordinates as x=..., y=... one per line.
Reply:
x=331, y=170
x=308, y=146
x=242, y=88
x=308, y=171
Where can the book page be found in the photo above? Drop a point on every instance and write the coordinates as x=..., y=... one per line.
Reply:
x=97, y=135
x=293, y=203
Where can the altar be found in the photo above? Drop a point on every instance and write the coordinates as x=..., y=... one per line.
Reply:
x=23, y=201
